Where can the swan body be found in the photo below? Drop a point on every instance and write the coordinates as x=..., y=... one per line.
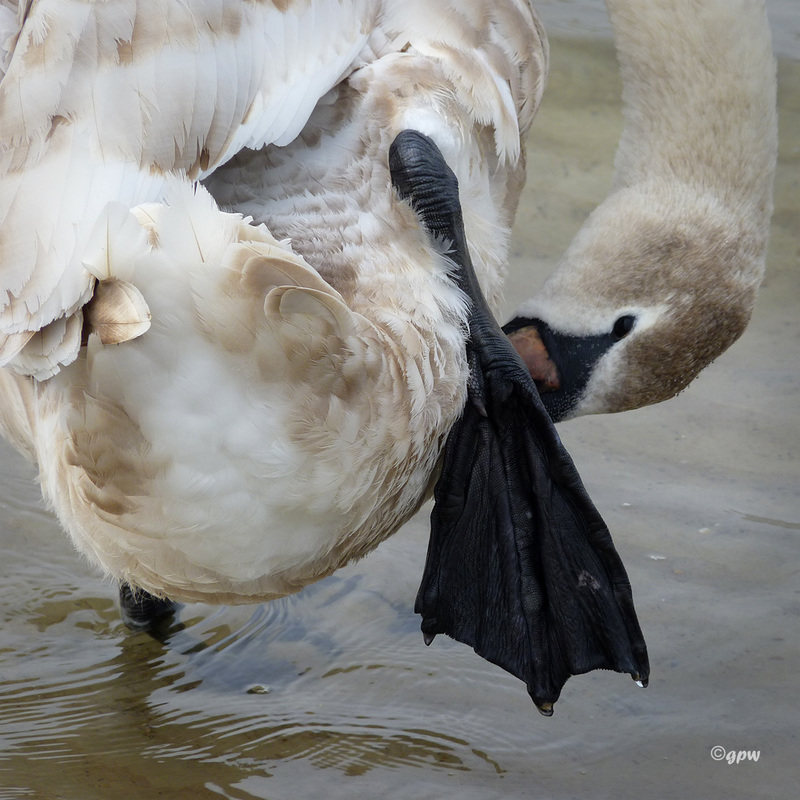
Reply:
x=677, y=250
x=284, y=384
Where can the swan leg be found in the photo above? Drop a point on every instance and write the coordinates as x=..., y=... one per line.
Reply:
x=520, y=564
x=141, y=611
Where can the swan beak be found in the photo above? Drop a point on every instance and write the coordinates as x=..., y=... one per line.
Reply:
x=528, y=343
x=560, y=364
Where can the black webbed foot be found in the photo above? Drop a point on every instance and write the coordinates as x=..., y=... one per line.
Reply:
x=520, y=564
x=141, y=611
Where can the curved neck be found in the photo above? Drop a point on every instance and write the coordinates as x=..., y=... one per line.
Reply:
x=699, y=97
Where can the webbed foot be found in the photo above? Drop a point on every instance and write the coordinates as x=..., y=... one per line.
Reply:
x=141, y=611
x=520, y=564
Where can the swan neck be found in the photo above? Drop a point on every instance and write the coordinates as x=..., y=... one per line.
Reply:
x=699, y=92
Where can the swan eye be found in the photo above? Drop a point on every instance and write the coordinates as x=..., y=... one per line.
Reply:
x=623, y=326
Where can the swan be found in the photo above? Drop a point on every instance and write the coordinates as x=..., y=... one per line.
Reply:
x=664, y=274
x=226, y=405
x=246, y=250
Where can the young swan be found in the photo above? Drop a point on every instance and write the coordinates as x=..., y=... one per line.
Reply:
x=235, y=415
x=663, y=276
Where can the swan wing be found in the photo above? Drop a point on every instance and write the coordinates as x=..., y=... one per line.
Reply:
x=100, y=102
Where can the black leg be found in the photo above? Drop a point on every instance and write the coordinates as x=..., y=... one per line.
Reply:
x=520, y=564
x=142, y=611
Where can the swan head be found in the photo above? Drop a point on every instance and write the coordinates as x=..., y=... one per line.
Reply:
x=657, y=284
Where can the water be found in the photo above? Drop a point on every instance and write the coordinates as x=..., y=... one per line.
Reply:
x=332, y=693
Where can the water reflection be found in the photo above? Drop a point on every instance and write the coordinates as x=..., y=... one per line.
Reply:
x=224, y=688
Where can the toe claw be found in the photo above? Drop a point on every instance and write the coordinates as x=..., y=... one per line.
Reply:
x=545, y=709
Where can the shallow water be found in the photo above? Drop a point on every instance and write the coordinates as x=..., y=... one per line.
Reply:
x=332, y=692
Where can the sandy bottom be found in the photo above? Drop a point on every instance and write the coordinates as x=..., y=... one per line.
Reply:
x=332, y=694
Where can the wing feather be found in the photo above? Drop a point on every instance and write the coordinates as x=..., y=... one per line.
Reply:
x=101, y=101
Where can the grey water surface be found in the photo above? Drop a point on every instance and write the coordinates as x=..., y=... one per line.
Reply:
x=332, y=694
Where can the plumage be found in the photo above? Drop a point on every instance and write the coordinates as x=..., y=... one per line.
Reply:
x=285, y=409
x=101, y=101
